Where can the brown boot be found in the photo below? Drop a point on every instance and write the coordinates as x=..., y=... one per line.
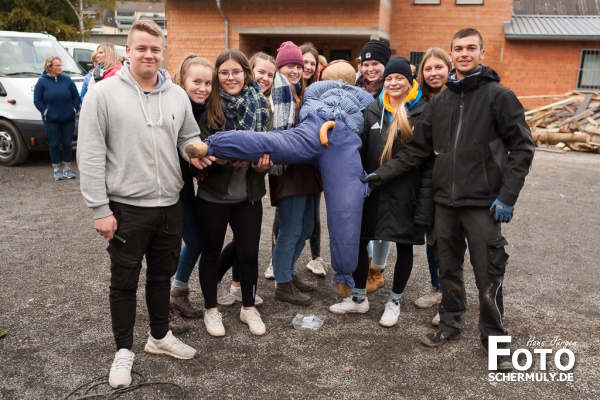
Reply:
x=301, y=285
x=181, y=300
x=289, y=293
x=176, y=324
x=343, y=290
x=375, y=279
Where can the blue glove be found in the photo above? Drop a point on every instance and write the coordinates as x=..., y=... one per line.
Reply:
x=373, y=180
x=501, y=212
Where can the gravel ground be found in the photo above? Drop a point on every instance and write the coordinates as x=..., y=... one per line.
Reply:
x=54, y=286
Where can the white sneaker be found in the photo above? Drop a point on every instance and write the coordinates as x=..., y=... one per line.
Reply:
x=317, y=267
x=170, y=346
x=251, y=317
x=269, y=271
x=349, y=306
x=430, y=299
x=436, y=320
x=236, y=293
x=390, y=315
x=224, y=298
x=120, y=370
x=214, y=323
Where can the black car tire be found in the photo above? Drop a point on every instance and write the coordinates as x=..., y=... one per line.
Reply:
x=13, y=149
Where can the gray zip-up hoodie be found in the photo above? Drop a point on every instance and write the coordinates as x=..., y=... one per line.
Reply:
x=128, y=141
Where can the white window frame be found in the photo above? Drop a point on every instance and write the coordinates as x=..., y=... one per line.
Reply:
x=427, y=2
x=470, y=2
x=588, y=78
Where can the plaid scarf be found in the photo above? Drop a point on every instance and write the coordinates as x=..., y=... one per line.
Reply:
x=284, y=105
x=247, y=111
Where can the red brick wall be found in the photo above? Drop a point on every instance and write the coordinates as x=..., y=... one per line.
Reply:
x=527, y=67
x=418, y=27
x=542, y=68
x=197, y=26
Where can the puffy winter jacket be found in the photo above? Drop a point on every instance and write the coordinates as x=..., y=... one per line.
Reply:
x=482, y=144
x=402, y=207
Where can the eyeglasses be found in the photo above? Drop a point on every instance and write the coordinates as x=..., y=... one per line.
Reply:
x=59, y=65
x=236, y=73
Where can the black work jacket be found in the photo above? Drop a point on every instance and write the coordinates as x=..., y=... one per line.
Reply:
x=482, y=144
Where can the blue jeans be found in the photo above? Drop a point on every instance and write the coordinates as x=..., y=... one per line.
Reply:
x=296, y=222
x=191, y=250
x=379, y=251
x=432, y=260
x=60, y=133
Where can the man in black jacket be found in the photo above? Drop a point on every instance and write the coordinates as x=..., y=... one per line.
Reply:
x=483, y=151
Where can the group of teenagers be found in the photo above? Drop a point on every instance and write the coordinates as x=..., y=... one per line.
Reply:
x=146, y=194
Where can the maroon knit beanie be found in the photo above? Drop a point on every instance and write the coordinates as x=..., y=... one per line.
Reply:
x=289, y=53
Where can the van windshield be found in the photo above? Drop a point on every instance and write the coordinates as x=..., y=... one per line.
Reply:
x=24, y=56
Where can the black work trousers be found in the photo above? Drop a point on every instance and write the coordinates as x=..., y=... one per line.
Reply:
x=154, y=232
x=455, y=227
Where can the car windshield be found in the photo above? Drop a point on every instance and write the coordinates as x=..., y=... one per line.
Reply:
x=24, y=56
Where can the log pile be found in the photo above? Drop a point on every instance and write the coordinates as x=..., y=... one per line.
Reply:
x=569, y=124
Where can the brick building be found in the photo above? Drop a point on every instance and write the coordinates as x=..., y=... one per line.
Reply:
x=530, y=60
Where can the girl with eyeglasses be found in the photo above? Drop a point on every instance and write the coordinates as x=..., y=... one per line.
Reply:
x=230, y=194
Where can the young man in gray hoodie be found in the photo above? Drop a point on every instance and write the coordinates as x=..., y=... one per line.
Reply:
x=130, y=131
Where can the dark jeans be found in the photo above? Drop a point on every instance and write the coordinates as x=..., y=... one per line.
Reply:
x=454, y=225
x=155, y=233
x=60, y=133
x=432, y=261
x=192, y=248
x=245, y=219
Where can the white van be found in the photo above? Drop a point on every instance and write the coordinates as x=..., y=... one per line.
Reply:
x=82, y=52
x=22, y=58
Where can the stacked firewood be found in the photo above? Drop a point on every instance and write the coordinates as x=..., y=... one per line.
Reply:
x=572, y=123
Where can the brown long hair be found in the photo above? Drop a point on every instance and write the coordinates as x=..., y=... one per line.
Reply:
x=216, y=116
x=436, y=52
x=310, y=48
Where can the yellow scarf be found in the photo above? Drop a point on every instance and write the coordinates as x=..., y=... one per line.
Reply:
x=412, y=94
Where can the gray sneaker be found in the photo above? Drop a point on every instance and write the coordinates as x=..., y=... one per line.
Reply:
x=236, y=292
x=170, y=346
x=224, y=298
x=317, y=267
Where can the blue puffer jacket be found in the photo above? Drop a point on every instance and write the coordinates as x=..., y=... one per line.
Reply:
x=56, y=97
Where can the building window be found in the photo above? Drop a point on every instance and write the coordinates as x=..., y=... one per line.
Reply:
x=469, y=2
x=589, y=70
x=427, y=1
x=415, y=58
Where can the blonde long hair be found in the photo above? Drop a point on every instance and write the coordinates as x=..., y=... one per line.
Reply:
x=111, y=57
x=399, y=124
x=436, y=52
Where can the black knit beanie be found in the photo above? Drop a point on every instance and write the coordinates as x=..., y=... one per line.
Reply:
x=399, y=65
x=376, y=50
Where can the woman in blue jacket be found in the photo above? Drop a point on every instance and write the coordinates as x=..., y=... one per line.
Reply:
x=56, y=97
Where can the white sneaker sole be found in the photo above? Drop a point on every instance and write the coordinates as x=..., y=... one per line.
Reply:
x=254, y=331
x=322, y=274
x=154, y=350
x=341, y=312
x=387, y=324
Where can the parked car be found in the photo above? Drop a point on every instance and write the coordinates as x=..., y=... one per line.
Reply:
x=22, y=58
x=82, y=52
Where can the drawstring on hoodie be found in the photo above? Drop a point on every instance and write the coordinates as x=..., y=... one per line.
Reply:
x=148, y=121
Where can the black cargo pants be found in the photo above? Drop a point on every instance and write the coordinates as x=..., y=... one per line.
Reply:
x=455, y=228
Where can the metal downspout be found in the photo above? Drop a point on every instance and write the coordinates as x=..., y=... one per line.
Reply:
x=226, y=24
